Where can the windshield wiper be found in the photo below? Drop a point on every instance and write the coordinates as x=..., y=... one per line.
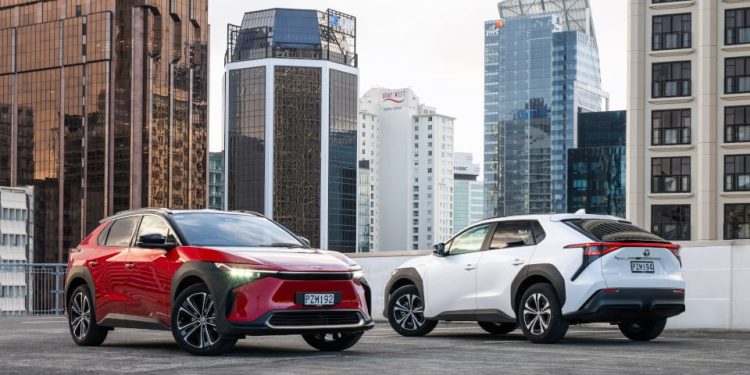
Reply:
x=284, y=244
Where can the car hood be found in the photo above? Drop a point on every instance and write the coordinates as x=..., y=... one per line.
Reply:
x=297, y=260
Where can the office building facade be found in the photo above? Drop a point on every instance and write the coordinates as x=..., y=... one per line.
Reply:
x=16, y=247
x=411, y=145
x=541, y=69
x=688, y=140
x=368, y=175
x=290, y=100
x=216, y=180
x=596, y=167
x=468, y=191
x=103, y=108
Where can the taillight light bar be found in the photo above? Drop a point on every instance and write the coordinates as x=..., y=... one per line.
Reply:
x=593, y=250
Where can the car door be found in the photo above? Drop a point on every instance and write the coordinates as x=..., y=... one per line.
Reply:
x=510, y=249
x=108, y=269
x=150, y=276
x=451, y=283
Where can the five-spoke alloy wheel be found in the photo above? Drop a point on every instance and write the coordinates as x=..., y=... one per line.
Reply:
x=194, y=323
x=406, y=312
x=540, y=315
x=82, y=319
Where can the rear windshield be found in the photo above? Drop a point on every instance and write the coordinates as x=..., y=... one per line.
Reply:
x=612, y=231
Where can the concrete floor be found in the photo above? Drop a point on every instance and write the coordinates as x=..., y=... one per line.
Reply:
x=43, y=345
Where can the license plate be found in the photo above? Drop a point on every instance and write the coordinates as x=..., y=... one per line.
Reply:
x=642, y=267
x=320, y=299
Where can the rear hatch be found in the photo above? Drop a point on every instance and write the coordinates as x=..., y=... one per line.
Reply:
x=630, y=256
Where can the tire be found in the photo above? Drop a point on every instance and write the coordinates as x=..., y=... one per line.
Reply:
x=193, y=323
x=332, y=342
x=498, y=328
x=82, y=319
x=406, y=313
x=540, y=316
x=643, y=330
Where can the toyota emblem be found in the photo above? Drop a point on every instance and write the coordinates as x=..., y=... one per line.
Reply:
x=646, y=252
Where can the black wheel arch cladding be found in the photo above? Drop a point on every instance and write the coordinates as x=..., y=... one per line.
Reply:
x=527, y=276
x=410, y=276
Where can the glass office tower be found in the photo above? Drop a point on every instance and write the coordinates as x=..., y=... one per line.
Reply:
x=103, y=108
x=541, y=69
x=291, y=84
x=596, y=168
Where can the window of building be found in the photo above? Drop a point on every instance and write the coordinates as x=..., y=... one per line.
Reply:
x=736, y=221
x=671, y=79
x=737, y=75
x=670, y=175
x=670, y=127
x=672, y=31
x=737, y=26
x=737, y=124
x=737, y=173
x=671, y=222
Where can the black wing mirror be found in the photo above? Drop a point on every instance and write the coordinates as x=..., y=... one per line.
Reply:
x=305, y=241
x=439, y=250
x=154, y=241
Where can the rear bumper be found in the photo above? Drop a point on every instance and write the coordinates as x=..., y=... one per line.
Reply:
x=291, y=322
x=606, y=305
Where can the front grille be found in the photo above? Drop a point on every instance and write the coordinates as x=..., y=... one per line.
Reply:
x=314, y=318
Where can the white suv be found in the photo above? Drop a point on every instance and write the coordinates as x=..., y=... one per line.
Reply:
x=542, y=273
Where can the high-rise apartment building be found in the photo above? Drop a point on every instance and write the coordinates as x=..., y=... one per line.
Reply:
x=103, y=108
x=16, y=247
x=290, y=100
x=688, y=135
x=541, y=69
x=412, y=146
x=216, y=180
x=468, y=192
x=368, y=187
x=596, y=167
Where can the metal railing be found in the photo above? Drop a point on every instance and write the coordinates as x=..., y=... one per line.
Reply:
x=32, y=289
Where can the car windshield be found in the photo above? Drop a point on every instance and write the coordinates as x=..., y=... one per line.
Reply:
x=240, y=230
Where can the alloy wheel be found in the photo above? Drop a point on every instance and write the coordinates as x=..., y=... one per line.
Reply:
x=80, y=315
x=409, y=312
x=196, y=321
x=537, y=314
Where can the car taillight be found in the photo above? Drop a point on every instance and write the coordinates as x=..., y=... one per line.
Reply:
x=591, y=252
x=676, y=251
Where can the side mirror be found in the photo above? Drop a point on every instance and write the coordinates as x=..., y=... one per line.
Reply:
x=439, y=250
x=154, y=241
x=305, y=241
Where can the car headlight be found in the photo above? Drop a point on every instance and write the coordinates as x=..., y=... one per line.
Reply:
x=357, y=272
x=244, y=272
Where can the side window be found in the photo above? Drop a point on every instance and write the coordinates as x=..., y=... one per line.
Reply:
x=512, y=234
x=469, y=241
x=121, y=231
x=102, y=239
x=154, y=224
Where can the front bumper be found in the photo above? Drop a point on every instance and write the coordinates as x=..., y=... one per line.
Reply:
x=617, y=305
x=291, y=322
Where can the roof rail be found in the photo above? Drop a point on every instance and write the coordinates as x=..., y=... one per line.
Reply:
x=143, y=210
x=249, y=212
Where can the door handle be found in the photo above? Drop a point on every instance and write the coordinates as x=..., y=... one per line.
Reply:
x=93, y=263
x=130, y=266
x=517, y=262
x=470, y=267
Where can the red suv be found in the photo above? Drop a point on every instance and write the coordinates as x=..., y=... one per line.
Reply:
x=212, y=277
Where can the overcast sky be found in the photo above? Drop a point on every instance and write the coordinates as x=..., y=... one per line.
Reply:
x=434, y=47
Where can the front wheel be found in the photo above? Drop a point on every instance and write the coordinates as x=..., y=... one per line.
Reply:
x=498, y=328
x=194, y=323
x=643, y=330
x=332, y=342
x=82, y=319
x=406, y=313
x=540, y=315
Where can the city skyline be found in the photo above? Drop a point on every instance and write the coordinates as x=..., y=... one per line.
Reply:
x=390, y=62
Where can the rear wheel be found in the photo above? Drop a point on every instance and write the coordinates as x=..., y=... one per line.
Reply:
x=82, y=319
x=194, y=323
x=332, y=342
x=540, y=315
x=643, y=330
x=406, y=312
x=498, y=328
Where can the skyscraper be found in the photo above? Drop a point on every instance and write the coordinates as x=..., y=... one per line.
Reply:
x=216, y=180
x=411, y=147
x=290, y=103
x=103, y=107
x=541, y=69
x=468, y=193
